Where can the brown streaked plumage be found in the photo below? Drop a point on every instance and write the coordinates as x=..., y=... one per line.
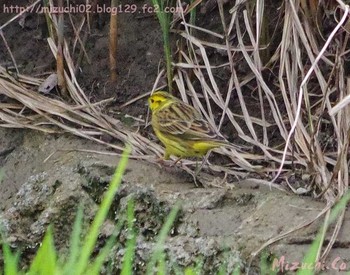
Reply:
x=181, y=128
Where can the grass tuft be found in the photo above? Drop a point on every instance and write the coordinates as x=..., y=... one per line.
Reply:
x=158, y=251
x=131, y=243
x=92, y=235
x=45, y=261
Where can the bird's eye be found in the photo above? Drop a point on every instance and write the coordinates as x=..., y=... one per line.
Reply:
x=152, y=100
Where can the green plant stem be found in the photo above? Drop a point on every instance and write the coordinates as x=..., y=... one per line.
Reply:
x=159, y=246
x=164, y=21
x=102, y=212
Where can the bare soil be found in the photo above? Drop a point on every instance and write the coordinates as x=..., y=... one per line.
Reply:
x=46, y=178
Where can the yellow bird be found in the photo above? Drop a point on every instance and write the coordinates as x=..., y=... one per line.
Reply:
x=181, y=128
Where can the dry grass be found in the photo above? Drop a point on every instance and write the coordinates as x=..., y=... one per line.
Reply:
x=297, y=109
x=298, y=106
x=113, y=42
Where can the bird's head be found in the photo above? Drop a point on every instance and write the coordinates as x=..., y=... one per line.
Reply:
x=158, y=99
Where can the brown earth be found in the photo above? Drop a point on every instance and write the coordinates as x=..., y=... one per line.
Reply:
x=45, y=177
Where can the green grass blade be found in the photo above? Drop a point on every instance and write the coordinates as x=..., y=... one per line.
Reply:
x=265, y=265
x=46, y=5
x=161, y=264
x=164, y=21
x=310, y=257
x=101, y=214
x=193, y=15
x=95, y=267
x=45, y=260
x=74, y=242
x=175, y=269
x=10, y=260
x=131, y=243
x=237, y=271
x=159, y=246
x=189, y=271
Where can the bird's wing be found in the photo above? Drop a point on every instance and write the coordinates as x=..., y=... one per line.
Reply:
x=183, y=120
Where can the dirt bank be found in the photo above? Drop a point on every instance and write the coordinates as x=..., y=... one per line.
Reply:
x=46, y=178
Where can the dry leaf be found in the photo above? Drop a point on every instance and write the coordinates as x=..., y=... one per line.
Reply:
x=48, y=84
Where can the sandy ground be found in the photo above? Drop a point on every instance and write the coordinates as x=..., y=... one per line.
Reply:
x=45, y=178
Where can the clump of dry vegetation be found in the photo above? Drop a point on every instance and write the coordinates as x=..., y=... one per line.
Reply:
x=288, y=57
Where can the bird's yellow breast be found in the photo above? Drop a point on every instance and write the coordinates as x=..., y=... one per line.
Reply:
x=180, y=127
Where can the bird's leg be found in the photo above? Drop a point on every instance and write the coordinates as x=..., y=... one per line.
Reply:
x=176, y=161
x=195, y=180
x=160, y=162
x=198, y=169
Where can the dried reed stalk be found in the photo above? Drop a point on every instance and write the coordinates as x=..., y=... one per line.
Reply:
x=113, y=41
